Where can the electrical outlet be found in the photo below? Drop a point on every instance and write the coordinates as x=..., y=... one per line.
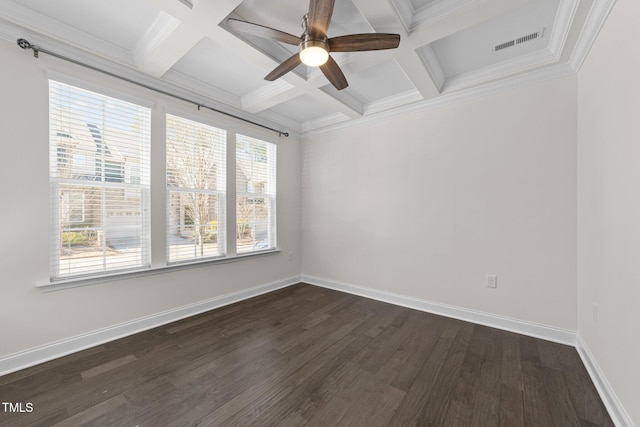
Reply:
x=595, y=312
x=492, y=281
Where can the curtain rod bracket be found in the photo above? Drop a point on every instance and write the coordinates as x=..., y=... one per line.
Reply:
x=24, y=44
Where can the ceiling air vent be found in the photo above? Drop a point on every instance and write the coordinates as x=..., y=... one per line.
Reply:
x=519, y=40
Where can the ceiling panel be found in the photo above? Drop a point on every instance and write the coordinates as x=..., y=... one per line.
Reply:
x=381, y=81
x=217, y=66
x=472, y=48
x=302, y=108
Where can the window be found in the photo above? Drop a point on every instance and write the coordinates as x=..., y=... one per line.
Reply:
x=255, y=194
x=100, y=217
x=196, y=184
x=100, y=188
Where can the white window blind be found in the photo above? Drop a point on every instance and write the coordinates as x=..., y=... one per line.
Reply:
x=196, y=184
x=99, y=183
x=255, y=195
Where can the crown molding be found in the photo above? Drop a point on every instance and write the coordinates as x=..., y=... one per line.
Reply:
x=185, y=81
x=437, y=10
x=52, y=29
x=598, y=14
x=329, y=121
x=315, y=128
x=405, y=12
x=273, y=89
x=412, y=18
x=502, y=69
x=394, y=101
x=562, y=25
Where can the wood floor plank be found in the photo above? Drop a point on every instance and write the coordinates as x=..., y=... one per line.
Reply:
x=511, y=407
x=93, y=412
x=441, y=392
x=105, y=367
x=417, y=397
x=303, y=356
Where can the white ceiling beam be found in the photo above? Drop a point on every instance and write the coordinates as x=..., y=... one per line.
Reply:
x=179, y=40
x=271, y=95
x=383, y=18
x=265, y=98
x=416, y=72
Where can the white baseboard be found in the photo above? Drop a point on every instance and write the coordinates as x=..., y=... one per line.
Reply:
x=616, y=411
x=549, y=333
x=33, y=356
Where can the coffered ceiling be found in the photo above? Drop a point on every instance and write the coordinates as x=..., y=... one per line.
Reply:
x=449, y=49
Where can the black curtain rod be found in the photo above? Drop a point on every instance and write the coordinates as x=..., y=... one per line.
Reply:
x=24, y=44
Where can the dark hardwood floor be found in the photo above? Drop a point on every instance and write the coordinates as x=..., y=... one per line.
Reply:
x=310, y=356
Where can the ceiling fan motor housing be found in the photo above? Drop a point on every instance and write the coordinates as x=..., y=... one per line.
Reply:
x=314, y=52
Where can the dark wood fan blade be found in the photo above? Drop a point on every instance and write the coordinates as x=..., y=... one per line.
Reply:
x=284, y=68
x=262, y=31
x=320, y=12
x=360, y=42
x=334, y=74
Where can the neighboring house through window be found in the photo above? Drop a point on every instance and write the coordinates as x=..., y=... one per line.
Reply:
x=100, y=219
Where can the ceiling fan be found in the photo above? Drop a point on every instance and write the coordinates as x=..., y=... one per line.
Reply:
x=314, y=44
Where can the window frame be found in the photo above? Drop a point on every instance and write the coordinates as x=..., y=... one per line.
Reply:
x=158, y=258
x=55, y=182
x=270, y=200
x=220, y=192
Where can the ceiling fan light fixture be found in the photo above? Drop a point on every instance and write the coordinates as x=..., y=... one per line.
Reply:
x=314, y=53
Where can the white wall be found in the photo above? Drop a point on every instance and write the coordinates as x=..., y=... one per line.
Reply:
x=29, y=318
x=426, y=205
x=609, y=203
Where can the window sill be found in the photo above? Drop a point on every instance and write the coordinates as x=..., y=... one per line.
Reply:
x=87, y=281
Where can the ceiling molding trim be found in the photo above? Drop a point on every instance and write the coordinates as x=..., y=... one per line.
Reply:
x=432, y=65
x=505, y=68
x=252, y=99
x=187, y=82
x=395, y=101
x=52, y=29
x=405, y=12
x=598, y=14
x=525, y=79
x=413, y=19
x=437, y=10
x=292, y=126
x=344, y=97
x=562, y=25
x=326, y=122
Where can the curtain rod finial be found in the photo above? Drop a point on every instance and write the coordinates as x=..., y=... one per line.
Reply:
x=23, y=43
